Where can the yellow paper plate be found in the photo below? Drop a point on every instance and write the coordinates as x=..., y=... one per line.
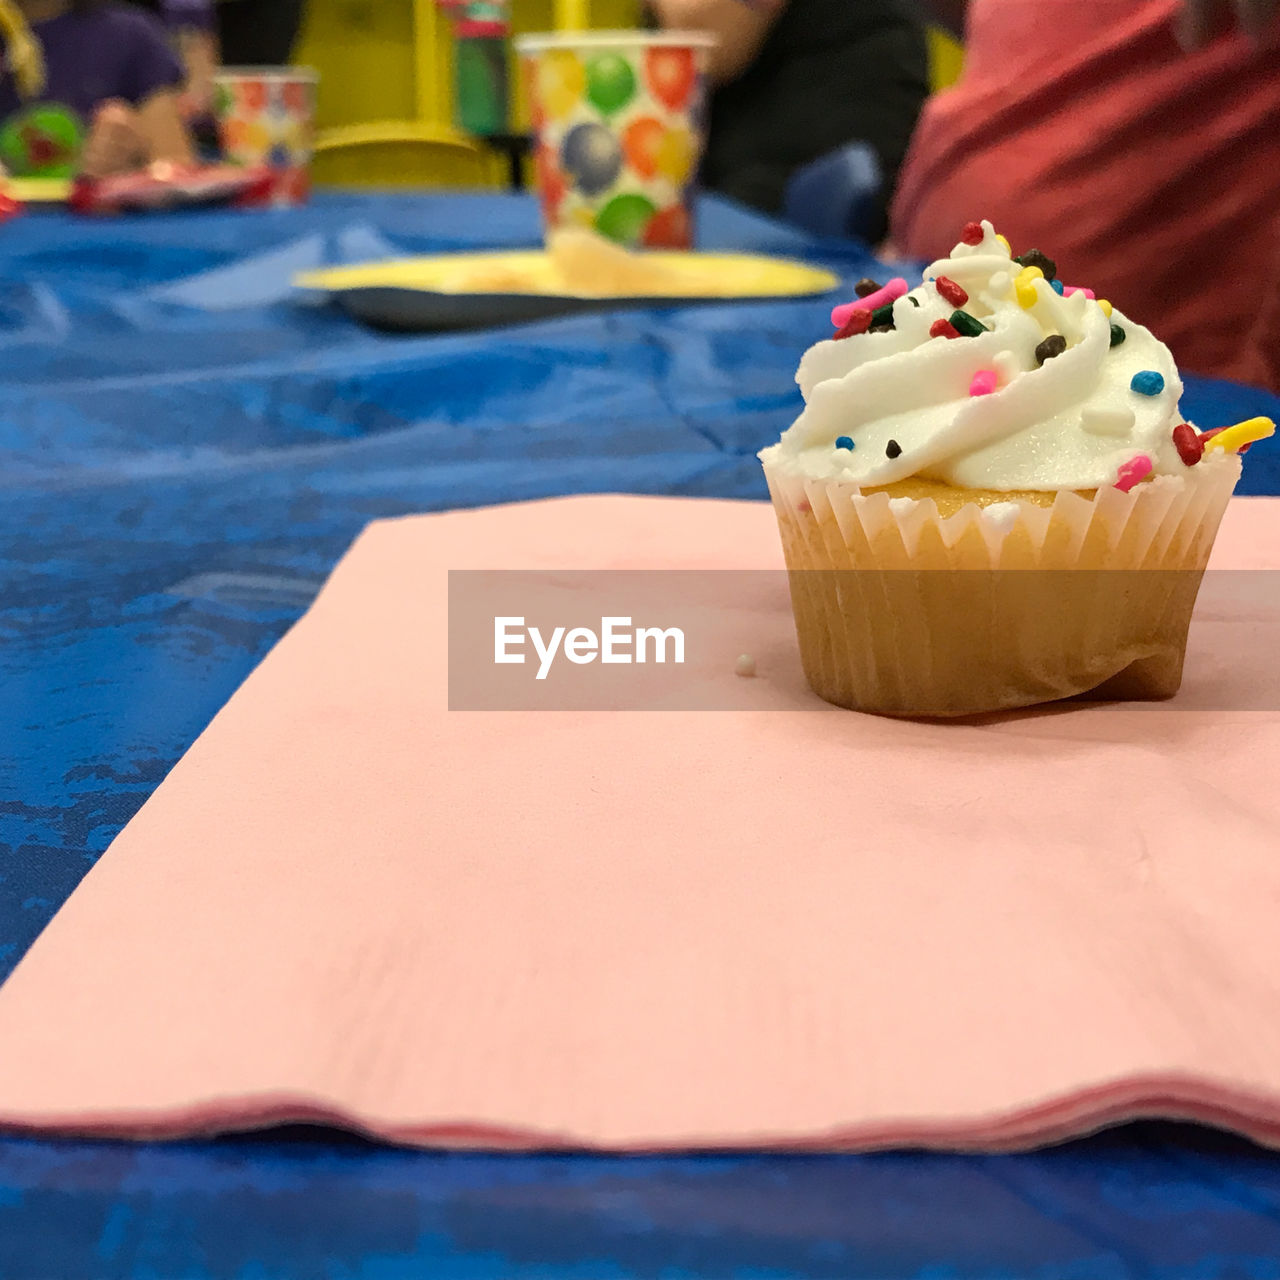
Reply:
x=469, y=290
x=37, y=190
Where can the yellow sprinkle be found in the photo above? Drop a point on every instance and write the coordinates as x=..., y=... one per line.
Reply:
x=1004, y=244
x=1024, y=288
x=1241, y=434
x=1106, y=307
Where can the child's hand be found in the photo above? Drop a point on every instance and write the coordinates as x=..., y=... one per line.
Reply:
x=1199, y=20
x=115, y=143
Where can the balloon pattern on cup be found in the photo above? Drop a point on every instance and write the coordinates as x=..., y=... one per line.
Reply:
x=552, y=184
x=626, y=218
x=619, y=134
x=269, y=121
x=590, y=155
x=562, y=80
x=253, y=96
x=611, y=82
x=640, y=142
x=672, y=226
x=296, y=97
x=671, y=74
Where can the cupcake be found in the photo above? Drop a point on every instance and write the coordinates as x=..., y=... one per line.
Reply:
x=991, y=499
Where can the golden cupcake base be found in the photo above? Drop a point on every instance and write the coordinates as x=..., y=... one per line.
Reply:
x=917, y=600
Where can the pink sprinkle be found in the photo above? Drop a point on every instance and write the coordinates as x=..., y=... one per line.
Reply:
x=1069, y=289
x=984, y=383
x=893, y=290
x=1132, y=471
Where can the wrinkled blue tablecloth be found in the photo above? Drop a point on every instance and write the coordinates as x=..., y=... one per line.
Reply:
x=185, y=450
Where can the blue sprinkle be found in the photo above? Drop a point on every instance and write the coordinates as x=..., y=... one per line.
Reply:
x=1056, y=286
x=844, y=442
x=1147, y=383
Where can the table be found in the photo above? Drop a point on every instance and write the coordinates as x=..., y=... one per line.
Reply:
x=185, y=451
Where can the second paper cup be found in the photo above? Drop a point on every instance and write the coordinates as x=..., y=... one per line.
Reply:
x=619, y=120
x=266, y=116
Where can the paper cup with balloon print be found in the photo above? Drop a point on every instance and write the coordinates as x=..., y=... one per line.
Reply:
x=619, y=121
x=266, y=116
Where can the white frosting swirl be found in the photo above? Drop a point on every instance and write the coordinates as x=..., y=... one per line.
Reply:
x=1070, y=423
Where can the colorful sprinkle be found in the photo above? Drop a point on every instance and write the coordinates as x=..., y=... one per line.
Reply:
x=893, y=449
x=943, y=329
x=844, y=442
x=983, y=382
x=1034, y=258
x=1057, y=286
x=1117, y=335
x=883, y=316
x=866, y=287
x=915, y=302
x=964, y=323
x=1098, y=421
x=1003, y=243
x=894, y=289
x=1187, y=441
x=1024, y=286
x=1088, y=293
x=1239, y=436
x=1106, y=307
x=951, y=291
x=972, y=233
x=745, y=666
x=858, y=321
x=1132, y=471
x=1147, y=383
x=1054, y=345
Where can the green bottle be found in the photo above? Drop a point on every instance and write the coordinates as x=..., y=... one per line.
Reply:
x=482, y=90
x=481, y=85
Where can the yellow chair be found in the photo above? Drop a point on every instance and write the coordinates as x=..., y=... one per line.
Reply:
x=382, y=116
x=385, y=111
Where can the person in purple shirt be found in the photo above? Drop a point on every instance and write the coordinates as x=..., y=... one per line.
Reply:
x=87, y=86
x=237, y=33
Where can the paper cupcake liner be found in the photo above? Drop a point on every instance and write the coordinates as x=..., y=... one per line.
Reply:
x=903, y=611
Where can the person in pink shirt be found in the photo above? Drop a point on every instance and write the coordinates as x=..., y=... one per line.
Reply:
x=1135, y=141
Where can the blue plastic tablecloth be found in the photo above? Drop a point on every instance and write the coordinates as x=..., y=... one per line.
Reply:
x=185, y=450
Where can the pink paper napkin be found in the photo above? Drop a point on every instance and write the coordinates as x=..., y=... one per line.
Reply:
x=795, y=926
